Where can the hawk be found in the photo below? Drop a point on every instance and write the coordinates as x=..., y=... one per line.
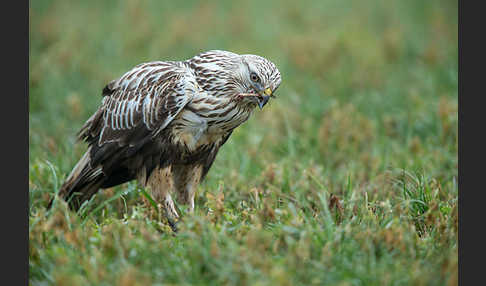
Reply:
x=163, y=122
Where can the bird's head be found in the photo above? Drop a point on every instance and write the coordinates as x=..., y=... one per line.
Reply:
x=250, y=79
x=259, y=78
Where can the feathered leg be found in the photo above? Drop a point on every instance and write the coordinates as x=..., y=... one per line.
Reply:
x=160, y=183
x=186, y=180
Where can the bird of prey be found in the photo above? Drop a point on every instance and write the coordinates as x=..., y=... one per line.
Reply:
x=163, y=122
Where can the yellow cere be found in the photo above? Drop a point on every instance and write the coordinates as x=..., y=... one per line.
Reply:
x=268, y=91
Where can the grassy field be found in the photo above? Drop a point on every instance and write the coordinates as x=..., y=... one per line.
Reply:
x=349, y=177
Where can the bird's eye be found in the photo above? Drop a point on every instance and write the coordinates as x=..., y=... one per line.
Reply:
x=254, y=77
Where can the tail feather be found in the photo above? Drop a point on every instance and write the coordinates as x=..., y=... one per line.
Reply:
x=82, y=183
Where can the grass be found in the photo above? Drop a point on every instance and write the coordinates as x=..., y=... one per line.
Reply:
x=349, y=177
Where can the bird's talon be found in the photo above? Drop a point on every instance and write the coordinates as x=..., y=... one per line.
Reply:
x=172, y=224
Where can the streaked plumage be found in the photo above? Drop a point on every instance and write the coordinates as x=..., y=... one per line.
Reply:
x=163, y=123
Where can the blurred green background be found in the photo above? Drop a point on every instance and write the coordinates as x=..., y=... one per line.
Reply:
x=389, y=65
x=369, y=88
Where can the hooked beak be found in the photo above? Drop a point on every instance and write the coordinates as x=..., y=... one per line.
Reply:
x=264, y=98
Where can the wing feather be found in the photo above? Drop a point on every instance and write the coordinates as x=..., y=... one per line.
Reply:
x=143, y=100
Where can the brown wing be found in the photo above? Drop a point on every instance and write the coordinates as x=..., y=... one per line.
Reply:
x=142, y=102
x=135, y=109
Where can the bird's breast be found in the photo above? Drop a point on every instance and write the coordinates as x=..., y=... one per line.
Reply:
x=207, y=121
x=193, y=131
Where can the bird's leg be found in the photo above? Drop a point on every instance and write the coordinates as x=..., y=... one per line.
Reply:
x=186, y=180
x=170, y=212
x=161, y=183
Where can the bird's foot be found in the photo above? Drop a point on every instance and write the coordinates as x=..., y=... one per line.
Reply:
x=173, y=224
x=170, y=215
